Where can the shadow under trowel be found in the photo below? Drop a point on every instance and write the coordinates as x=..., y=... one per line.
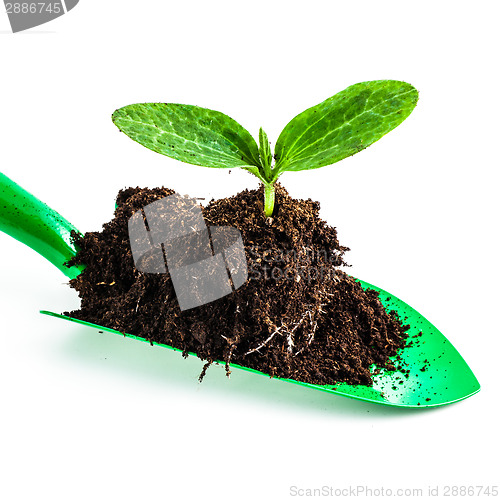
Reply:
x=164, y=367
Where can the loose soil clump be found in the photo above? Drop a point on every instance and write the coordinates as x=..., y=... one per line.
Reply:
x=297, y=316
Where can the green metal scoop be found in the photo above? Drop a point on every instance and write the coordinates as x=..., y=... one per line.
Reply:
x=438, y=375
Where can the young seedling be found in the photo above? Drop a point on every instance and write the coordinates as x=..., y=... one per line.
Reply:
x=339, y=127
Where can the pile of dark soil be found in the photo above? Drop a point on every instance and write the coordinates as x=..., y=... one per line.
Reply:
x=297, y=316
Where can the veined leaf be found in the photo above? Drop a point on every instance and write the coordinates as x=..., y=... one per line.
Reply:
x=189, y=133
x=266, y=157
x=344, y=124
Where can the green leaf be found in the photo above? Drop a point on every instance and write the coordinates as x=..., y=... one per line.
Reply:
x=190, y=134
x=266, y=156
x=257, y=172
x=343, y=125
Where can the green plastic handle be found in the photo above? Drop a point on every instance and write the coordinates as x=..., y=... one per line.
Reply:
x=32, y=222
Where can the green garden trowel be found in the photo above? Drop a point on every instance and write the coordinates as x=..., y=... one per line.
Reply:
x=437, y=375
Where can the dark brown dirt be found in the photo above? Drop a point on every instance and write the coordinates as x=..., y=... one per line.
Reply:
x=298, y=315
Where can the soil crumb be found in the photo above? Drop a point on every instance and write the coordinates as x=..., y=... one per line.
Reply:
x=298, y=315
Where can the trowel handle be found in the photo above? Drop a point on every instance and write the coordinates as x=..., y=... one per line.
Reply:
x=29, y=220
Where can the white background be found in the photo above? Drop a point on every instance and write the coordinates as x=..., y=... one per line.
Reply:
x=95, y=416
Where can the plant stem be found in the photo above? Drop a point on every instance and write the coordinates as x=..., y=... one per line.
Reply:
x=268, y=199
